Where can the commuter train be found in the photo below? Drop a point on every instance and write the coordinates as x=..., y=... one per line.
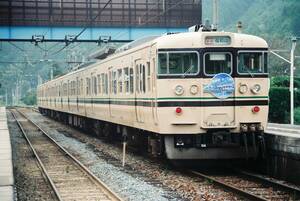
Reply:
x=201, y=94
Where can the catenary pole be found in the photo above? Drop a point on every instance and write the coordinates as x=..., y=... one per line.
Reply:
x=294, y=43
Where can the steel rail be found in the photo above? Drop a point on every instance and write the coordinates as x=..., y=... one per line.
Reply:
x=234, y=189
x=38, y=159
x=294, y=190
x=104, y=187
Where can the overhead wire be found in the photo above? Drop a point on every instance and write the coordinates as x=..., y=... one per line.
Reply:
x=85, y=28
x=166, y=10
x=19, y=48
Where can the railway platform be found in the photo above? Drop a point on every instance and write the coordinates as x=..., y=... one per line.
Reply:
x=283, y=144
x=6, y=167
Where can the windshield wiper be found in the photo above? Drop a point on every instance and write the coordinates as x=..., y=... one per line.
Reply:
x=187, y=71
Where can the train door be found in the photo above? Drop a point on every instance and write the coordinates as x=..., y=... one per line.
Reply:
x=153, y=90
x=77, y=93
x=139, y=89
x=68, y=95
x=110, y=90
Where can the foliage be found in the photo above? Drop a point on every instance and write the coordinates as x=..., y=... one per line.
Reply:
x=279, y=111
x=284, y=81
x=29, y=98
x=279, y=105
x=297, y=115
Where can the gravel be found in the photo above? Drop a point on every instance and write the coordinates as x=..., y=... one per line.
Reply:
x=141, y=179
x=29, y=181
x=124, y=184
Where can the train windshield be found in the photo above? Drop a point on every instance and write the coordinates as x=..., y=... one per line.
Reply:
x=252, y=62
x=217, y=62
x=178, y=63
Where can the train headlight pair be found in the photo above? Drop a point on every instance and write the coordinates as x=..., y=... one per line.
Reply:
x=254, y=89
x=243, y=88
x=179, y=90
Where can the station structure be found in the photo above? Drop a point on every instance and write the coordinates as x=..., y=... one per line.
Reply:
x=119, y=19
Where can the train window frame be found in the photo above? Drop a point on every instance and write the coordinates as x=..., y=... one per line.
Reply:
x=120, y=81
x=131, y=80
x=176, y=74
x=148, y=77
x=98, y=80
x=126, y=80
x=204, y=66
x=263, y=61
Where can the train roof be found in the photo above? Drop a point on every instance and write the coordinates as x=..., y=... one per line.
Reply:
x=186, y=40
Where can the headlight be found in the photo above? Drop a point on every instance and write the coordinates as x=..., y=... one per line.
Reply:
x=194, y=89
x=243, y=88
x=179, y=90
x=256, y=89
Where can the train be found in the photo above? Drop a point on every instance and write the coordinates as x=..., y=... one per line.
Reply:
x=199, y=95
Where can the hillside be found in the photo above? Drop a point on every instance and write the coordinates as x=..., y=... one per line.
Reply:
x=270, y=18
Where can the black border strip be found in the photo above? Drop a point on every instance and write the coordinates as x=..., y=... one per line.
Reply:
x=219, y=103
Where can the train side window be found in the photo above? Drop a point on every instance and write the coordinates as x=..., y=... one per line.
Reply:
x=137, y=79
x=144, y=78
x=68, y=88
x=88, y=86
x=126, y=79
x=115, y=82
x=110, y=82
x=141, y=79
x=81, y=87
x=95, y=86
x=106, y=84
x=102, y=84
x=99, y=84
x=131, y=80
x=148, y=77
x=120, y=81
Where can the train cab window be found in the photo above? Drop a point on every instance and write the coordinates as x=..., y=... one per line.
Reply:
x=178, y=63
x=120, y=80
x=252, y=62
x=162, y=63
x=131, y=80
x=126, y=79
x=217, y=62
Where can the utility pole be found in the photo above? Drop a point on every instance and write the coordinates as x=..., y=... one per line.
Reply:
x=292, y=69
x=294, y=43
x=215, y=14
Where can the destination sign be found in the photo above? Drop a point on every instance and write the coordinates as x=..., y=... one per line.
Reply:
x=217, y=40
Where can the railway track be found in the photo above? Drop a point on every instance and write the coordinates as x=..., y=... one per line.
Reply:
x=252, y=186
x=69, y=178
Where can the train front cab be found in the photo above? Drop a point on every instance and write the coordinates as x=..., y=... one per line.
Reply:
x=201, y=118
